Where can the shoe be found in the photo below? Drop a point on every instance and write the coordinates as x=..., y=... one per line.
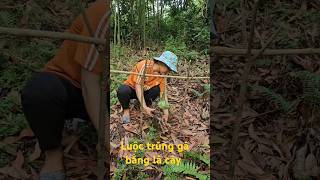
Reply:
x=54, y=175
x=125, y=119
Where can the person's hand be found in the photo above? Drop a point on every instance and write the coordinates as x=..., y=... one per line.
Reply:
x=148, y=110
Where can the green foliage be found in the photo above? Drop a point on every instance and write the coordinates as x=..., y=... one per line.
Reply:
x=178, y=22
x=163, y=104
x=263, y=63
x=135, y=140
x=116, y=81
x=42, y=51
x=14, y=123
x=186, y=23
x=119, y=171
x=132, y=171
x=197, y=156
x=229, y=3
x=179, y=47
x=13, y=77
x=4, y=158
x=7, y=103
x=206, y=88
x=311, y=87
x=8, y=19
x=186, y=168
x=275, y=98
x=152, y=135
x=176, y=46
x=118, y=51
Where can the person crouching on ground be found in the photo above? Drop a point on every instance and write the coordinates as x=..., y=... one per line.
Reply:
x=153, y=87
x=68, y=87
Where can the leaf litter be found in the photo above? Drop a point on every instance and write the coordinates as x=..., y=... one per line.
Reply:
x=273, y=143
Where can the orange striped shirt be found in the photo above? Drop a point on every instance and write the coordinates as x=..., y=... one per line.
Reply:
x=149, y=82
x=72, y=55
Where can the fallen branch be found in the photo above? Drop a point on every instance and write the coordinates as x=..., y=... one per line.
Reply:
x=233, y=51
x=243, y=91
x=156, y=75
x=50, y=34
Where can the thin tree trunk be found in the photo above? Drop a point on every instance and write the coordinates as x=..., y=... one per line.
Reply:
x=115, y=28
x=147, y=5
x=133, y=22
x=119, y=40
x=161, y=13
x=157, y=22
x=154, y=12
x=144, y=23
x=161, y=5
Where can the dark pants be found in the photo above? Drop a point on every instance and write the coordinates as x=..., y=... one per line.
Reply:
x=125, y=93
x=48, y=100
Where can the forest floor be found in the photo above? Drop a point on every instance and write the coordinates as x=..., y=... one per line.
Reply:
x=188, y=122
x=279, y=133
x=20, y=155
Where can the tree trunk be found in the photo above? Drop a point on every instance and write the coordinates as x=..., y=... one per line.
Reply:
x=144, y=23
x=158, y=19
x=154, y=12
x=115, y=28
x=132, y=23
x=119, y=28
x=147, y=5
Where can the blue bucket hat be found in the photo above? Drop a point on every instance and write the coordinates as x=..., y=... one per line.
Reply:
x=169, y=59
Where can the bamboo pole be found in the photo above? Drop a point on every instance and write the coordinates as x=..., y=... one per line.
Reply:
x=243, y=92
x=234, y=51
x=102, y=116
x=142, y=98
x=156, y=75
x=50, y=34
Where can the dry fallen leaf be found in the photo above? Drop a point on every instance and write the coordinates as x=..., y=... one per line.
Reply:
x=311, y=167
x=254, y=136
x=36, y=153
x=131, y=128
x=253, y=169
x=15, y=170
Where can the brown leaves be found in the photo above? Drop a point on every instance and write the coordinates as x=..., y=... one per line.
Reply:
x=305, y=166
x=13, y=139
x=133, y=128
x=15, y=170
x=254, y=136
x=247, y=163
x=36, y=153
x=311, y=166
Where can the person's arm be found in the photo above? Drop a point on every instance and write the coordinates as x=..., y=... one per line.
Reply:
x=141, y=99
x=90, y=84
x=140, y=95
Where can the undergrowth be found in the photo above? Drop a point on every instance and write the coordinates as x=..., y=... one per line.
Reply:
x=311, y=92
x=191, y=165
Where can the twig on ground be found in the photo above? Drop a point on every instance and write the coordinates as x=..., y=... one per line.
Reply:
x=243, y=90
x=235, y=51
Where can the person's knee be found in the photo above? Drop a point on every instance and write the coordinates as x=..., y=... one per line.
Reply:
x=123, y=90
x=155, y=92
